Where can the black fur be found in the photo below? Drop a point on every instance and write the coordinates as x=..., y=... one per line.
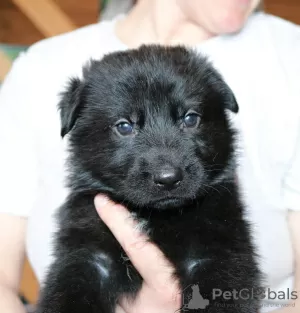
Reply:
x=198, y=223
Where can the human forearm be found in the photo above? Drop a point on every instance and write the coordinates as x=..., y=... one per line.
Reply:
x=12, y=250
x=9, y=301
x=294, y=222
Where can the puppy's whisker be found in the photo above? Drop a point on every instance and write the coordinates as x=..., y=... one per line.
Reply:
x=226, y=189
x=212, y=170
x=203, y=189
x=211, y=187
x=213, y=165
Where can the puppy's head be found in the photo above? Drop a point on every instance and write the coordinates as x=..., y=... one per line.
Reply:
x=149, y=126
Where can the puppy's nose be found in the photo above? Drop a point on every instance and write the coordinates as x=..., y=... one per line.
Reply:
x=168, y=177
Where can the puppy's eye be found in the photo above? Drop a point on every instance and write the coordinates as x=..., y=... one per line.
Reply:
x=124, y=128
x=191, y=120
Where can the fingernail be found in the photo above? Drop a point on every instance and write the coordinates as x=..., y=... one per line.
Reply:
x=101, y=201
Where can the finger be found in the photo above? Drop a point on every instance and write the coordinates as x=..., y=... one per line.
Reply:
x=149, y=261
x=120, y=309
x=148, y=300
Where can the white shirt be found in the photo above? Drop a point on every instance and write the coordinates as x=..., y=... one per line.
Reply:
x=262, y=66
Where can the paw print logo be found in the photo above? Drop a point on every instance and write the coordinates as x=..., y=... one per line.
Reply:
x=195, y=300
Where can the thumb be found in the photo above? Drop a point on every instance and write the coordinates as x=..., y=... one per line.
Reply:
x=149, y=261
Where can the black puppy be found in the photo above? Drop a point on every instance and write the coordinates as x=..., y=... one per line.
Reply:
x=149, y=128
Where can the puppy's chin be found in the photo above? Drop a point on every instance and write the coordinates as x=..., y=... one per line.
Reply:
x=169, y=204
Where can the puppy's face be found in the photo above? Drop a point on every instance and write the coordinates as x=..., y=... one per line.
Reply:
x=149, y=126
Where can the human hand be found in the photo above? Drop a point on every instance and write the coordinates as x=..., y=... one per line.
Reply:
x=160, y=292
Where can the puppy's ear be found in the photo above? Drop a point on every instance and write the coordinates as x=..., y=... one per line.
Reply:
x=231, y=103
x=230, y=99
x=70, y=105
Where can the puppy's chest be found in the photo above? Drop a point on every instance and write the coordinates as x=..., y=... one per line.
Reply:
x=181, y=241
